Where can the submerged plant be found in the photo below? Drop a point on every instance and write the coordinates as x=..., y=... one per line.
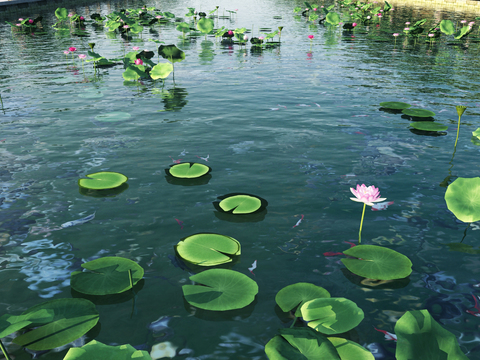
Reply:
x=368, y=195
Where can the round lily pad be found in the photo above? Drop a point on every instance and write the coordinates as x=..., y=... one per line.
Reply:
x=113, y=116
x=220, y=290
x=107, y=275
x=297, y=294
x=418, y=112
x=189, y=170
x=102, y=180
x=332, y=315
x=207, y=249
x=463, y=199
x=428, y=126
x=377, y=262
x=240, y=204
x=395, y=105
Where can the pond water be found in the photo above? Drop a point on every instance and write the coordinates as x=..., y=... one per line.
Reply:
x=298, y=125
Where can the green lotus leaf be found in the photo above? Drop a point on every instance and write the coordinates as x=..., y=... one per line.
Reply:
x=168, y=15
x=183, y=27
x=240, y=204
x=107, y=275
x=102, y=180
x=377, y=262
x=189, y=170
x=113, y=116
x=222, y=290
x=95, y=350
x=350, y=350
x=333, y=18
x=171, y=53
x=297, y=294
x=463, y=199
x=465, y=30
x=428, y=126
x=447, y=27
x=205, y=25
x=136, y=28
x=207, y=249
x=134, y=72
x=72, y=319
x=396, y=105
x=418, y=112
x=301, y=344
x=476, y=133
x=12, y=323
x=419, y=336
x=161, y=71
x=332, y=315
x=61, y=13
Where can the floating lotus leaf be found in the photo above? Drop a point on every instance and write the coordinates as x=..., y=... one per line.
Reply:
x=107, y=275
x=332, y=18
x=113, y=116
x=171, y=53
x=134, y=72
x=463, y=199
x=350, y=350
x=396, y=105
x=222, y=290
x=161, y=71
x=95, y=350
x=183, y=27
x=12, y=323
x=332, y=315
x=476, y=133
x=208, y=249
x=418, y=112
x=189, y=170
x=377, y=262
x=72, y=319
x=419, y=336
x=102, y=180
x=241, y=204
x=301, y=344
x=447, y=27
x=297, y=294
x=205, y=25
x=428, y=126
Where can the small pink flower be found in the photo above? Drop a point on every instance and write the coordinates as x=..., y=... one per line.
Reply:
x=369, y=17
x=354, y=24
x=379, y=15
x=82, y=56
x=261, y=38
x=471, y=23
x=406, y=29
x=66, y=52
x=236, y=9
x=314, y=9
x=126, y=26
x=160, y=16
x=321, y=6
x=381, y=10
x=396, y=34
x=245, y=37
x=139, y=12
x=230, y=32
x=431, y=35
x=407, y=23
x=70, y=15
x=463, y=21
x=72, y=49
x=136, y=48
x=138, y=62
x=18, y=24
x=30, y=21
x=20, y=19
x=81, y=18
x=366, y=194
x=311, y=37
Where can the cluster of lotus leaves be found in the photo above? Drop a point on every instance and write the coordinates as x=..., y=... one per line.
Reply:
x=207, y=249
x=189, y=170
x=102, y=180
x=463, y=199
x=395, y=105
x=106, y=276
x=95, y=350
x=240, y=204
x=220, y=290
x=377, y=262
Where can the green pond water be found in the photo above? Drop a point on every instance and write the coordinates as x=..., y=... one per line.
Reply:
x=297, y=125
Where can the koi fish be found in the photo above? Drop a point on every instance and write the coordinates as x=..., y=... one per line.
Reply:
x=183, y=153
x=176, y=161
x=253, y=267
x=180, y=223
x=206, y=159
x=348, y=175
x=381, y=206
x=443, y=110
x=359, y=133
x=475, y=312
x=78, y=221
x=388, y=335
x=298, y=222
x=282, y=106
x=330, y=253
x=360, y=115
x=302, y=105
x=274, y=109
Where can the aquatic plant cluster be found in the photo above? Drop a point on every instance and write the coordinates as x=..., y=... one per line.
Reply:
x=316, y=316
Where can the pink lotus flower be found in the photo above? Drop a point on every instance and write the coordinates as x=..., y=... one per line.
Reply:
x=368, y=17
x=138, y=62
x=160, y=16
x=396, y=34
x=379, y=15
x=136, y=48
x=245, y=37
x=72, y=49
x=18, y=24
x=20, y=19
x=463, y=21
x=66, y=52
x=354, y=24
x=367, y=195
x=126, y=26
x=431, y=35
x=314, y=9
x=406, y=29
x=30, y=21
x=407, y=23
x=230, y=32
x=70, y=15
x=81, y=18
x=311, y=37
x=261, y=38
x=82, y=56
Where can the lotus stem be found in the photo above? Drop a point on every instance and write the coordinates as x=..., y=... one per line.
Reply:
x=465, y=232
x=294, y=321
x=4, y=351
x=1, y=101
x=361, y=224
x=460, y=110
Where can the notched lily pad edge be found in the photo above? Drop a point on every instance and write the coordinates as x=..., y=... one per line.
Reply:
x=263, y=204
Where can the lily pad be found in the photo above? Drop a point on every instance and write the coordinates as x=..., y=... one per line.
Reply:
x=463, y=199
x=419, y=336
x=297, y=294
x=161, y=71
x=12, y=323
x=171, y=53
x=72, y=319
x=377, y=262
x=107, y=275
x=222, y=290
x=300, y=344
x=113, y=116
x=205, y=25
x=395, y=105
x=241, y=204
x=350, y=350
x=428, y=126
x=207, y=249
x=418, y=112
x=332, y=315
x=95, y=350
x=447, y=27
x=102, y=180
x=189, y=170
x=333, y=18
